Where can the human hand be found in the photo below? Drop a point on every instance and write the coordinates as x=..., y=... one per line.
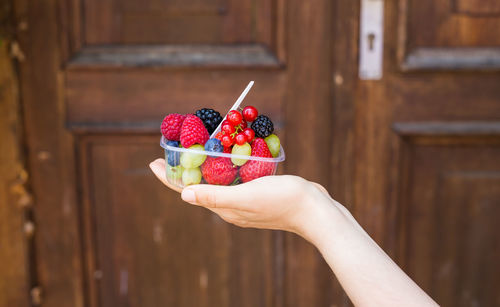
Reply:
x=294, y=204
x=288, y=203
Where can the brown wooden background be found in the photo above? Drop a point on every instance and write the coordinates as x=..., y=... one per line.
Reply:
x=415, y=156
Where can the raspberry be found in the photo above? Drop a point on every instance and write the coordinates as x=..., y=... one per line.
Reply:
x=210, y=118
x=219, y=171
x=193, y=131
x=262, y=126
x=171, y=126
x=255, y=169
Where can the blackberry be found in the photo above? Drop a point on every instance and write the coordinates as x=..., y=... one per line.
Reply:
x=210, y=118
x=262, y=126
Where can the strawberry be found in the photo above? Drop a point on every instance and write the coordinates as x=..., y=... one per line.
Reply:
x=219, y=171
x=193, y=131
x=171, y=126
x=260, y=149
x=255, y=169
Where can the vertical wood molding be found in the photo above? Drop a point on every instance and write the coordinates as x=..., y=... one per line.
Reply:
x=57, y=241
x=310, y=57
x=14, y=198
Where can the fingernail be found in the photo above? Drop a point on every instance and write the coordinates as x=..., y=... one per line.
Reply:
x=188, y=195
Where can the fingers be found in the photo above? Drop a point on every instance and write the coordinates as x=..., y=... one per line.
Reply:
x=320, y=187
x=213, y=196
x=227, y=215
x=210, y=196
x=158, y=168
x=233, y=216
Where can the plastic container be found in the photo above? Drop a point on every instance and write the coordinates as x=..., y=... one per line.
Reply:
x=180, y=176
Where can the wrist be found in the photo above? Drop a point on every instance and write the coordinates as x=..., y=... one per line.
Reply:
x=321, y=218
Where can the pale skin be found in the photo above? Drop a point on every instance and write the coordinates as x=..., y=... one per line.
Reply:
x=291, y=203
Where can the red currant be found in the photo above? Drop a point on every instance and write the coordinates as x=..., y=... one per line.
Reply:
x=234, y=117
x=249, y=133
x=240, y=138
x=227, y=150
x=243, y=124
x=228, y=128
x=250, y=113
x=227, y=140
x=219, y=135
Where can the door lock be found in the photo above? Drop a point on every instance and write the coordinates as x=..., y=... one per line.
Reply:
x=371, y=43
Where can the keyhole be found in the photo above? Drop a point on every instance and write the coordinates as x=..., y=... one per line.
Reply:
x=371, y=41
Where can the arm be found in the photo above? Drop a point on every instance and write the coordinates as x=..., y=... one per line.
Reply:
x=367, y=274
x=291, y=203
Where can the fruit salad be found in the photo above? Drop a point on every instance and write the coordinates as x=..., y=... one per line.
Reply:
x=244, y=149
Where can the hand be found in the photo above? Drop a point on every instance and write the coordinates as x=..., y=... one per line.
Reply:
x=286, y=203
x=294, y=204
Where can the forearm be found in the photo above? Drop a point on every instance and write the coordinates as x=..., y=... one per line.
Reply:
x=366, y=273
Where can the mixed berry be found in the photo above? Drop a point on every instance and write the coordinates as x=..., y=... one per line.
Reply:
x=242, y=133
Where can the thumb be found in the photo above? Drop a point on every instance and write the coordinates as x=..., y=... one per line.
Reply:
x=214, y=196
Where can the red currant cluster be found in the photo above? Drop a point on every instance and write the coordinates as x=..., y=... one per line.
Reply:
x=235, y=129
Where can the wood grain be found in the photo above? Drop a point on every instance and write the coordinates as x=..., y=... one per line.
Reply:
x=342, y=144
x=145, y=96
x=176, y=56
x=453, y=36
x=451, y=209
x=422, y=140
x=178, y=22
x=141, y=248
x=392, y=150
x=455, y=128
x=14, y=197
x=453, y=59
x=477, y=7
x=309, y=97
x=57, y=240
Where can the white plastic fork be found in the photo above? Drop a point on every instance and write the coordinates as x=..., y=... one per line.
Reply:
x=235, y=106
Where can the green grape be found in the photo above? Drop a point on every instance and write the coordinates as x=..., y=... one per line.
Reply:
x=174, y=172
x=191, y=176
x=273, y=142
x=243, y=150
x=192, y=160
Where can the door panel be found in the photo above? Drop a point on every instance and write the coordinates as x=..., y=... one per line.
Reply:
x=135, y=98
x=448, y=239
x=145, y=256
x=477, y=7
x=178, y=22
x=455, y=35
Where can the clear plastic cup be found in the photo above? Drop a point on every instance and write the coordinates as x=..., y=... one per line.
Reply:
x=180, y=176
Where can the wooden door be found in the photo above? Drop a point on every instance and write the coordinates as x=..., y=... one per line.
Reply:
x=415, y=156
x=422, y=145
x=97, y=79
